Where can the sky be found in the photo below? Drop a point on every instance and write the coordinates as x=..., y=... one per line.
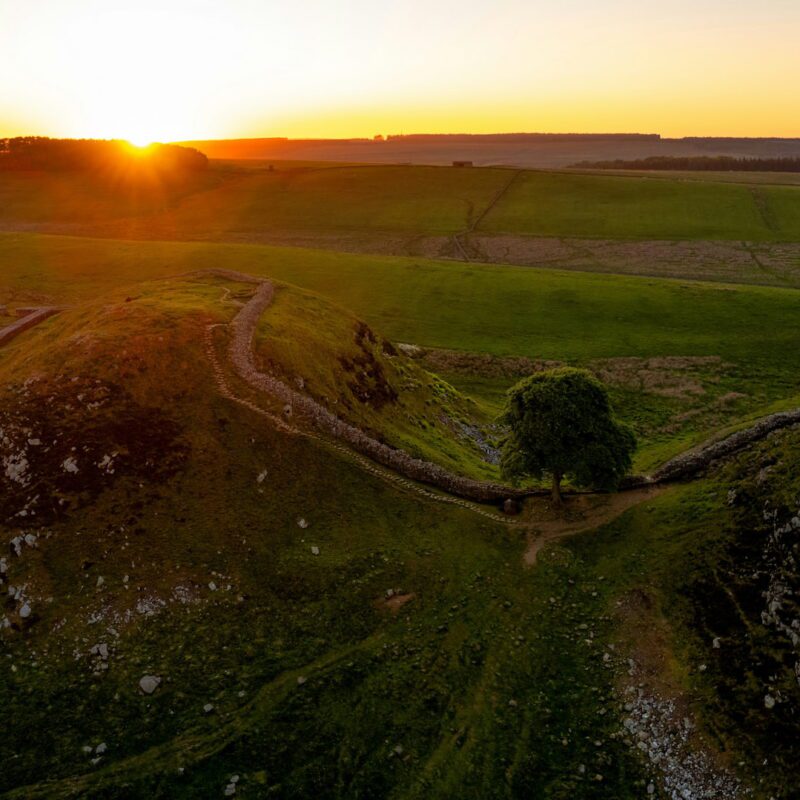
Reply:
x=167, y=70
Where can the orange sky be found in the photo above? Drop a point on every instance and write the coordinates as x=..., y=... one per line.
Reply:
x=181, y=69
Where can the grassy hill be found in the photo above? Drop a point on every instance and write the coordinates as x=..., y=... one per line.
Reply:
x=366, y=381
x=737, y=227
x=38, y=197
x=313, y=629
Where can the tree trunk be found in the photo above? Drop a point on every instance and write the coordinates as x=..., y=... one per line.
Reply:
x=556, y=493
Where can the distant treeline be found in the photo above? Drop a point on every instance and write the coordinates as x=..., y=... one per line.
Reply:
x=95, y=155
x=699, y=163
x=525, y=137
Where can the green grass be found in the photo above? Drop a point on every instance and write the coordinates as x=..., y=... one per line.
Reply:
x=346, y=199
x=497, y=310
x=436, y=680
x=241, y=201
x=352, y=371
x=614, y=207
x=484, y=680
x=703, y=176
x=492, y=309
x=64, y=197
x=567, y=316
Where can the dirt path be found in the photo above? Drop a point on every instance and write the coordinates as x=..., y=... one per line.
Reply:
x=580, y=514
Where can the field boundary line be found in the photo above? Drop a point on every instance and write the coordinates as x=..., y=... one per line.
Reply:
x=472, y=227
x=493, y=202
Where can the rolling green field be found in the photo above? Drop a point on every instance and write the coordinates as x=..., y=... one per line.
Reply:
x=234, y=200
x=497, y=310
x=288, y=667
x=500, y=311
x=35, y=198
x=319, y=630
x=612, y=207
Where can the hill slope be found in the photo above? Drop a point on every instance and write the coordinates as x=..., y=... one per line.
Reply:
x=196, y=599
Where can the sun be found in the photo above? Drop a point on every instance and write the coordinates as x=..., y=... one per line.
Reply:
x=140, y=142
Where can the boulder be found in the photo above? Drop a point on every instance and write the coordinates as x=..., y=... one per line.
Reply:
x=149, y=683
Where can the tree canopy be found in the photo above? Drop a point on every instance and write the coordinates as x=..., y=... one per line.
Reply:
x=95, y=155
x=561, y=424
x=700, y=163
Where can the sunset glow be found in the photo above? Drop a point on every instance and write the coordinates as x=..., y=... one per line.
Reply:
x=178, y=69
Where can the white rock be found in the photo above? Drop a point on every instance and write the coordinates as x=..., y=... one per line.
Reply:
x=230, y=790
x=769, y=701
x=149, y=683
x=25, y=611
x=212, y=586
x=208, y=708
x=315, y=551
x=301, y=680
x=262, y=476
x=101, y=748
x=302, y=523
x=100, y=581
x=70, y=465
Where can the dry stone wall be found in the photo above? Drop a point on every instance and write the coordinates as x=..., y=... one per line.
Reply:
x=34, y=317
x=242, y=356
x=241, y=353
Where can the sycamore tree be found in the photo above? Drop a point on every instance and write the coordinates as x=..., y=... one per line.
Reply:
x=561, y=425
